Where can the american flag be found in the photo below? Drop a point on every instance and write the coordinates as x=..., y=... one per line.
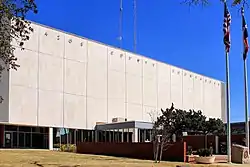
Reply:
x=245, y=35
x=226, y=28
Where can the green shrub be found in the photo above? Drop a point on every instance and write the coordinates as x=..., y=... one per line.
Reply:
x=204, y=152
x=189, y=150
x=68, y=148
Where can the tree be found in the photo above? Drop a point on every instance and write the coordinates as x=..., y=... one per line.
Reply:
x=176, y=121
x=163, y=129
x=214, y=126
x=13, y=27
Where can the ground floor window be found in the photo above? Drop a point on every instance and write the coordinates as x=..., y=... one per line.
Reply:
x=71, y=136
x=25, y=137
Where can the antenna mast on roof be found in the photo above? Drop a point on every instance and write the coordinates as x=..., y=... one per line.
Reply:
x=135, y=34
x=120, y=24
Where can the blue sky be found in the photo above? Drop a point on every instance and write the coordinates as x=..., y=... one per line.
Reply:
x=187, y=37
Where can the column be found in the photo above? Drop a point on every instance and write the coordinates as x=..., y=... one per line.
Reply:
x=144, y=135
x=128, y=135
x=75, y=136
x=96, y=136
x=135, y=135
x=150, y=135
x=216, y=144
x=122, y=136
x=50, y=138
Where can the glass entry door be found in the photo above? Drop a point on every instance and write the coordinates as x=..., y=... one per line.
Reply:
x=8, y=140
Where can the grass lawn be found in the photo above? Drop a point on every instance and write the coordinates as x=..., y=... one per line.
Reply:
x=42, y=158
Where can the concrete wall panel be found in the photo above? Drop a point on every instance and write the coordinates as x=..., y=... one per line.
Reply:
x=149, y=92
x=198, y=93
x=116, y=60
x=50, y=109
x=163, y=72
x=75, y=48
x=97, y=82
x=97, y=55
x=164, y=85
x=148, y=113
x=133, y=64
x=134, y=89
x=216, y=100
x=96, y=111
x=28, y=61
x=50, y=73
x=176, y=87
x=51, y=42
x=164, y=98
x=207, y=96
x=33, y=42
x=116, y=108
x=74, y=111
x=116, y=85
x=23, y=105
x=149, y=68
x=134, y=112
x=75, y=77
x=188, y=90
x=223, y=102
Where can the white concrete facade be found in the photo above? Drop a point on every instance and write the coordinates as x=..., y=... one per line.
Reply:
x=72, y=82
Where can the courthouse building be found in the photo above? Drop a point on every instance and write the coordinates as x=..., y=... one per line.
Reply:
x=71, y=89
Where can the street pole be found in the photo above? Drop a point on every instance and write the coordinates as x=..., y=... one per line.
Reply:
x=228, y=109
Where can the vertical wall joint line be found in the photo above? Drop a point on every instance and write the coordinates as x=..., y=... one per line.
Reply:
x=142, y=86
x=86, y=101
x=108, y=84
x=64, y=61
x=126, y=101
x=38, y=72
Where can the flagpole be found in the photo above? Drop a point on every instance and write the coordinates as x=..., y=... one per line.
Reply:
x=245, y=79
x=246, y=103
x=228, y=110
x=226, y=26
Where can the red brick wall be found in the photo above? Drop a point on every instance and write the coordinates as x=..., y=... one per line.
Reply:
x=198, y=142
x=234, y=138
x=174, y=152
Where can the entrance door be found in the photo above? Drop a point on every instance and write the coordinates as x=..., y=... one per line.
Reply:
x=8, y=139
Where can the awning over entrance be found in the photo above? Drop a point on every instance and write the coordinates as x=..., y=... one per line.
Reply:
x=125, y=125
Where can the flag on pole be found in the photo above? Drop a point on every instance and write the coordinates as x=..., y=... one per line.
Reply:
x=226, y=28
x=245, y=35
